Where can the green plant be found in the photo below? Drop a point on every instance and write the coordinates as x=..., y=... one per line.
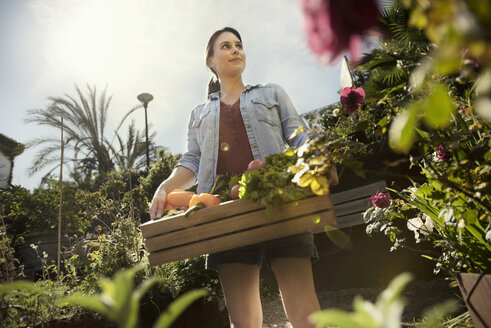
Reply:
x=461, y=50
x=452, y=208
x=385, y=313
x=28, y=304
x=10, y=267
x=272, y=184
x=119, y=300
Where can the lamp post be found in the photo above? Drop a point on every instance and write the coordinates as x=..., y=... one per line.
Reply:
x=145, y=98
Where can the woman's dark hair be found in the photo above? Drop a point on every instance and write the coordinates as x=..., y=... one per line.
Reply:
x=214, y=84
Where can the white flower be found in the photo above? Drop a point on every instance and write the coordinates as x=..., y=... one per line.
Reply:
x=488, y=236
x=419, y=227
x=45, y=255
x=448, y=217
x=335, y=112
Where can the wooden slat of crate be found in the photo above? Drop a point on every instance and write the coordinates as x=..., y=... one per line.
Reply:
x=179, y=222
x=220, y=226
x=243, y=238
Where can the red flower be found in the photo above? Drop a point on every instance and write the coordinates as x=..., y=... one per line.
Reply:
x=380, y=200
x=352, y=98
x=334, y=26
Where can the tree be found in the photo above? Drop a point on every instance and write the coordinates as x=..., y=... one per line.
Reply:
x=132, y=152
x=84, y=125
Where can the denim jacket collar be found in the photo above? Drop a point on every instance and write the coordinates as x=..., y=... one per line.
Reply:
x=215, y=96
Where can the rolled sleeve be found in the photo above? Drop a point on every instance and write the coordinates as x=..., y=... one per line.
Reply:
x=290, y=120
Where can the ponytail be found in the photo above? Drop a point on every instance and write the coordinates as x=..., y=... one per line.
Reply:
x=213, y=86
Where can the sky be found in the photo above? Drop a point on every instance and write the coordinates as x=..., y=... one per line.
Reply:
x=156, y=46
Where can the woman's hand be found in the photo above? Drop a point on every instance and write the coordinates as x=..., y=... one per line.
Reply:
x=158, y=203
x=180, y=178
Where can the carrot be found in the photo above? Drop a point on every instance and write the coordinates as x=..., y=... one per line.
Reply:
x=179, y=198
x=208, y=199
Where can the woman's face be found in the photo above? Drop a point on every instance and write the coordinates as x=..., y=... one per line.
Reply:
x=228, y=56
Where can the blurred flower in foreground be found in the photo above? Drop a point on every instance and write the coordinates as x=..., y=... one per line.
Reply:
x=380, y=200
x=335, y=26
x=352, y=98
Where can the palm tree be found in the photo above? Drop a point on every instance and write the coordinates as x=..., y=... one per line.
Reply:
x=84, y=125
x=132, y=152
x=390, y=63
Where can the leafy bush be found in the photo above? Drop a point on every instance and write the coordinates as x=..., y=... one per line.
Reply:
x=452, y=209
x=159, y=172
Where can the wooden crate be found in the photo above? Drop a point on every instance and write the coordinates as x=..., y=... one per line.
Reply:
x=230, y=225
x=238, y=223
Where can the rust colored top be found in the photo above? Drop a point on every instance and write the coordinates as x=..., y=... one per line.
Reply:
x=234, y=153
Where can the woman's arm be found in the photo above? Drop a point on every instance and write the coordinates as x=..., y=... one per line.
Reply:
x=184, y=175
x=290, y=120
x=181, y=178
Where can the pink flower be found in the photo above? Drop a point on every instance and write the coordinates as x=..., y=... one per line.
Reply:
x=380, y=200
x=334, y=26
x=352, y=98
x=441, y=153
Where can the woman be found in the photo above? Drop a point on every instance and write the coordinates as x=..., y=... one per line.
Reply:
x=237, y=124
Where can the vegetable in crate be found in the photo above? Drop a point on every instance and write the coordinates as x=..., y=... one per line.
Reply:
x=179, y=198
x=255, y=165
x=207, y=199
x=234, y=192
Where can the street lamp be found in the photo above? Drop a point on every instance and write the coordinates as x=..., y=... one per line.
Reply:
x=145, y=98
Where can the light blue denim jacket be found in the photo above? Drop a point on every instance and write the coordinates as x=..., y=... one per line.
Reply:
x=269, y=118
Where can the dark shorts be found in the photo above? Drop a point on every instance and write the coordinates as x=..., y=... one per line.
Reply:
x=301, y=245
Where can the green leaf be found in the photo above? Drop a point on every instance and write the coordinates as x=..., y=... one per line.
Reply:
x=435, y=316
x=305, y=180
x=438, y=108
x=289, y=152
x=178, y=306
x=334, y=317
x=423, y=134
x=89, y=302
x=319, y=185
x=295, y=133
x=401, y=133
x=362, y=126
x=145, y=286
x=383, y=122
x=6, y=288
x=394, y=290
x=447, y=65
